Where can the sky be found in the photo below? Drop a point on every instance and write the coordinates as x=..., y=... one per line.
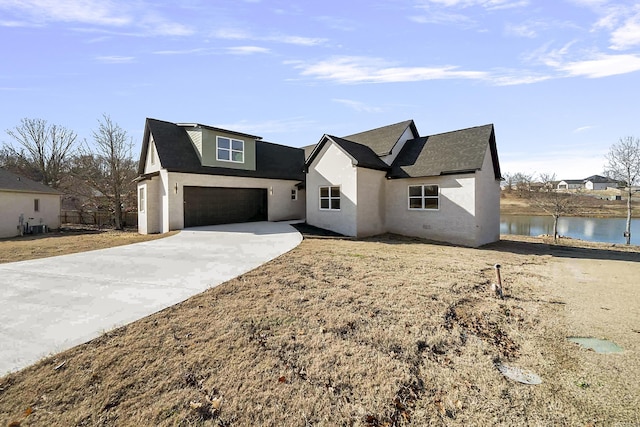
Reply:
x=559, y=79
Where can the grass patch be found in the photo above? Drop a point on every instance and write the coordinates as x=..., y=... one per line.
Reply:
x=385, y=331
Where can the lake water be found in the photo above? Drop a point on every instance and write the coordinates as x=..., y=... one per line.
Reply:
x=609, y=230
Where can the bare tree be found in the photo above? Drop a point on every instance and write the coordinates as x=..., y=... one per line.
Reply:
x=547, y=180
x=508, y=182
x=109, y=169
x=43, y=150
x=623, y=164
x=554, y=203
x=522, y=183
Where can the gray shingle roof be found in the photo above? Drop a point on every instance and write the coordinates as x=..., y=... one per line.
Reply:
x=599, y=179
x=383, y=139
x=12, y=182
x=446, y=153
x=363, y=155
x=177, y=154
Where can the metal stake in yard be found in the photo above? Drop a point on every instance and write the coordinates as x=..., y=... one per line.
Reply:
x=497, y=287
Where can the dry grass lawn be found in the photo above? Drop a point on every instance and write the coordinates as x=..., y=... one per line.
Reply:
x=386, y=331
x=68, y=241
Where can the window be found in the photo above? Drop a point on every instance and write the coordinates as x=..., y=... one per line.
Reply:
x=330, y=198
x=36, y=205
x=153, y=153
x=229, y=150
x=294, y=194
x=424, y=197
x=141, y=201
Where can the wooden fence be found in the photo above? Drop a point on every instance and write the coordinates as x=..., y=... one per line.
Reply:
x=99, y=218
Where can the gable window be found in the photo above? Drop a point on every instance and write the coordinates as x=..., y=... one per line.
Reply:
x=141, y=199
x=294, y=194
x=36, y=205
x=229, y=150
x=330, y=198
x=424, y=197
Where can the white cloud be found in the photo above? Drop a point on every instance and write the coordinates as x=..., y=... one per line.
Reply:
x=115, y=59
x=582, y=129
x=235, y=34
x=602, y=65
x=487, y=4
x=628, y=35
x=358, y=106
x=246, y=50
x=86, y=11
x=357, y=69
x=107, y=13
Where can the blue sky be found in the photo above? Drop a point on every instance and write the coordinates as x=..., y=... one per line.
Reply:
x=559, y=79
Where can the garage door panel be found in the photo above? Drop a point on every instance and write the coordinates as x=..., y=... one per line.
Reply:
x=219, y=205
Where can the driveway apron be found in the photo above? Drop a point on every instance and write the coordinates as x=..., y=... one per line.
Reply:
x=52, y=304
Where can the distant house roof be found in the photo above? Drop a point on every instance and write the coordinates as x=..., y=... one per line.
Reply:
x=12, y=182
x=460, y=151
x=382, y=140
x=573, y=181
x=599, y=179
x=178, y=154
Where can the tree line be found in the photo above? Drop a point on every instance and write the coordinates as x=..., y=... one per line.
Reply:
x=97, y=176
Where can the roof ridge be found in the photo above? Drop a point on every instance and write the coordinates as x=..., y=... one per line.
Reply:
x=457, y=130
x=381, y=127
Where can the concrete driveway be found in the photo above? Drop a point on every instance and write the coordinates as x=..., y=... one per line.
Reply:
x=52, y=304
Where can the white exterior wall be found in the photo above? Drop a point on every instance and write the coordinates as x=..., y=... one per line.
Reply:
x=152, y=162
x=371, y=202
x=407, y=135
x=150, y=220
x=453, y=222
x=170, y=201
x=14, y=203
x=487, y=203
x=590, y=185
x=332, y=166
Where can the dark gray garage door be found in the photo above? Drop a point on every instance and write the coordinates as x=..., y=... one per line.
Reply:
x=217, y=205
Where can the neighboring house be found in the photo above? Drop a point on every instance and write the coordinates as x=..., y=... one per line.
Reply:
x=443, y=187
x=598, y=182
x=192, y=175
x=26, y=205
x=570, y=184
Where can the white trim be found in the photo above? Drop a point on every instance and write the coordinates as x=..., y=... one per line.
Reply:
x=422, y=197
x=329, y=198
x=231, y=150
x=142, y=200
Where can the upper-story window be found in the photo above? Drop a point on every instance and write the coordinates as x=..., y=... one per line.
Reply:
x=229, y=150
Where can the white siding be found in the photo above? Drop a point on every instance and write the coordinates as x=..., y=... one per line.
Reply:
x=333, y=167
x=152, y=163
x=453, y=222
x=371, y=206
x=487, y=203
x=195, y=134
x=14, y=203
x=407, y=135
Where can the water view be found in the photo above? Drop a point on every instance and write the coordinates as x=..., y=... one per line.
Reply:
x=608, y=230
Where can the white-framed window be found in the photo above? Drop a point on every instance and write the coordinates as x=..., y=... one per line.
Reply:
x=330, y=198
x=36, y=205
x=229, y=149
x=294, y=194
x=424, y=197
x=141, y=201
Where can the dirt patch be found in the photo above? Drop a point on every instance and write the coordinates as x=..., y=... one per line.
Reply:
x=385, y=331
x=68, y=240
